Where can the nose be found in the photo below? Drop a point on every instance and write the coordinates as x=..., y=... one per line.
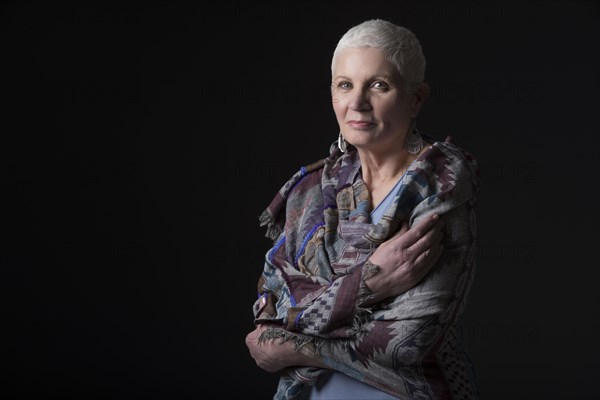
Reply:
x=359, y=101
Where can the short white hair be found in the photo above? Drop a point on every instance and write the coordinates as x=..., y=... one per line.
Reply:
x=398, y=44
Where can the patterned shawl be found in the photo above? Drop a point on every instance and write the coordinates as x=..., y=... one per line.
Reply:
x=312, y=284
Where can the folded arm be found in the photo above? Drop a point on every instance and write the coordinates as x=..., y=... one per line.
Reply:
x=399, y=263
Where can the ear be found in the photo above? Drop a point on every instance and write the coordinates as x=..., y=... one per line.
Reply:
x=420, y=94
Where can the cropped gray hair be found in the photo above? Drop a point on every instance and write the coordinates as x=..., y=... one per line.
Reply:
x=398, y=44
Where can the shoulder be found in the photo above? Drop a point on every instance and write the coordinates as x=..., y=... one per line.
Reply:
x=447, y=152
x=445, y=178
x=451, y=169
x=446, y=157
x=312, y=174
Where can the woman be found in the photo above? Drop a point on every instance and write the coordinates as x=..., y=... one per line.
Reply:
x=358, y=299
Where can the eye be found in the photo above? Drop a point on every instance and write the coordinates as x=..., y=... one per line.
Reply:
x=344, y=85
x=380, y=85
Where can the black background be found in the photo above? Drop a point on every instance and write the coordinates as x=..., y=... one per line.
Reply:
x=141, y=141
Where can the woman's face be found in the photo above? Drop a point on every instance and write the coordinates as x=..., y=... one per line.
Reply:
x=370, y=104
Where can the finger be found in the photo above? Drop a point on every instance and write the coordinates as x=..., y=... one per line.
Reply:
x=426, y=260
x=432, y=238
x=416, y=232
x=404, y=227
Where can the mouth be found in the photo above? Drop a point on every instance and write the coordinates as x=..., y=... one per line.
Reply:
x=360, y=124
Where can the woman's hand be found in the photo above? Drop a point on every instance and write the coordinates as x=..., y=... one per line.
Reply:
x=273, y=355
x=405, y=258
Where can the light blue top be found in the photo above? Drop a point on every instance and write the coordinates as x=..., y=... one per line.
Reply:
x=382, y=207
x=339, y=386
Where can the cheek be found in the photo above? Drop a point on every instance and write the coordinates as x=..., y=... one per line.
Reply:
x=392, y=112
x=339, y=109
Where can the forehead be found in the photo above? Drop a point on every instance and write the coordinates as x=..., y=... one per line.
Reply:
x=363, y=62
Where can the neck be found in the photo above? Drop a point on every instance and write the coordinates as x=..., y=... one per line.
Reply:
x=381, y=173
x=382, y=169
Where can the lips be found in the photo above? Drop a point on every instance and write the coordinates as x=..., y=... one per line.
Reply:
x=360, y=124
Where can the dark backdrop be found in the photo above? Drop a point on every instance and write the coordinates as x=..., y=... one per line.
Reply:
x=140, y=142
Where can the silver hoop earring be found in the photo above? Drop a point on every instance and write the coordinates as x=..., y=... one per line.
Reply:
x=413, y=140
x=342, y=145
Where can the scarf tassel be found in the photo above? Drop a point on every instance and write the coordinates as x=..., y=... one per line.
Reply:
x=273, y=231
